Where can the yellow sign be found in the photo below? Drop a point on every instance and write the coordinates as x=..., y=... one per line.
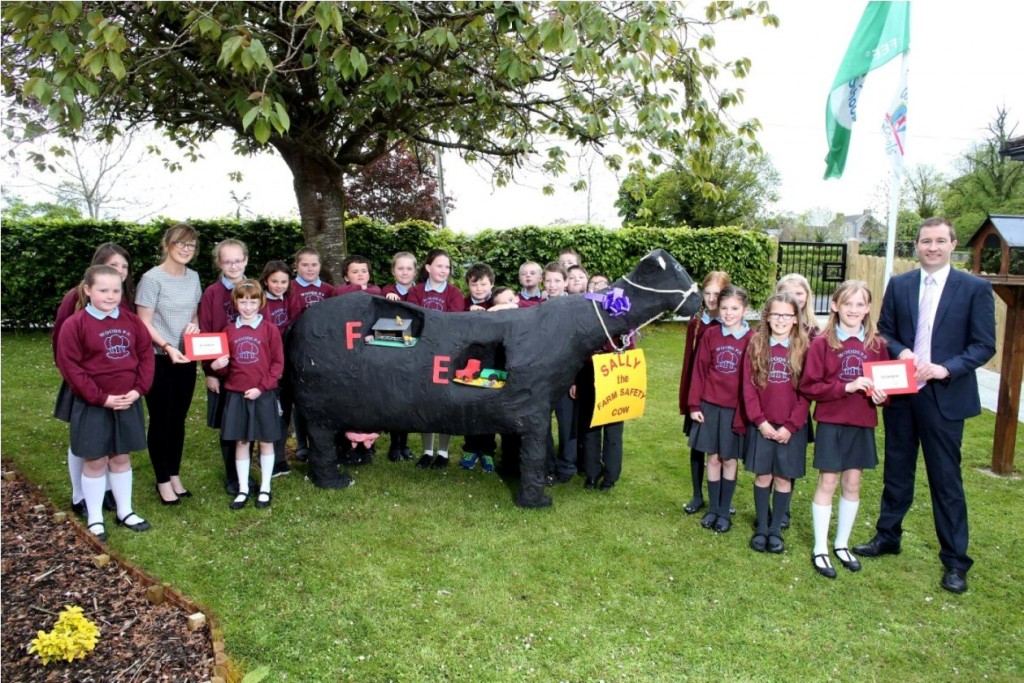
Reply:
x=620, y=387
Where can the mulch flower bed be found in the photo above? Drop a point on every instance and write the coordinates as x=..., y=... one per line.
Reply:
x=48, y=565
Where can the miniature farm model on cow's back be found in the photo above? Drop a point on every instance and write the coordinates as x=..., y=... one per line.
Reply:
x=344, y=383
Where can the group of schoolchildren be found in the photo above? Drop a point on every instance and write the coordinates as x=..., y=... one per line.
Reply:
x=106, y=357
x=746, y=394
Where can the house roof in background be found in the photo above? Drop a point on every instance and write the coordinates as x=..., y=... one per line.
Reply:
x=1013, y=148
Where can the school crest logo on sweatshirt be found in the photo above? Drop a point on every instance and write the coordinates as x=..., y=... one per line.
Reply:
x=778, y=371
x=247, y=350
x=852, y=364
x=309, y=298
x=727, y=360
x=279, y=316
x=117, y=343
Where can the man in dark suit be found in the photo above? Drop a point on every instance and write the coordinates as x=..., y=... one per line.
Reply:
x=944, y=320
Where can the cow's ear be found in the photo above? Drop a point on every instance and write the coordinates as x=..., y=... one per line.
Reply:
x=652, y=263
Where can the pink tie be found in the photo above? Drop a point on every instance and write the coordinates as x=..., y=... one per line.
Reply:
x=923, y=336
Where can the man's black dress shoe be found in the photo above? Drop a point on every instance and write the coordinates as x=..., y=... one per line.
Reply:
x=876, y=547
x=590, y=483
x=954, y=580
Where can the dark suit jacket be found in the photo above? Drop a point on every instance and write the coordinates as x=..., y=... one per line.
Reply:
x=963, y=334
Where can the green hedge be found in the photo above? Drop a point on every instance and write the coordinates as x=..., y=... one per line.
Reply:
x=42, y=259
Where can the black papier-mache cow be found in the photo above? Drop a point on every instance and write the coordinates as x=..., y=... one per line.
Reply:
x=342, y=383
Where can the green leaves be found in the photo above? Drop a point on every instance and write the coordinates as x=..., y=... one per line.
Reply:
x=266, y=116
x=342, y=82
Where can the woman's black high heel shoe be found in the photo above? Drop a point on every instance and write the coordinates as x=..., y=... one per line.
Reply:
x=176, y=501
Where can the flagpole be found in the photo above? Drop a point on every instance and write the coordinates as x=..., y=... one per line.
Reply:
x=890, y=238
x=894, y=192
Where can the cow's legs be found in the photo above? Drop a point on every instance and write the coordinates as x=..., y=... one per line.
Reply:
x=532, y=471
x=323, y=464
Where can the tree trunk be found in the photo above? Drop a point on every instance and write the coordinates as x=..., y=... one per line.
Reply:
x=319, y=191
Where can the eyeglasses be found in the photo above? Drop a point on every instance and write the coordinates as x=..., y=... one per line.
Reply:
x=186, y=246
x=781, y=316
x=230, y=264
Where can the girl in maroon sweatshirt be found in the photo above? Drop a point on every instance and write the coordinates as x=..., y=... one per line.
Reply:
x=846, y=413
x=276, y=280
x=714, y=283
x=115, y=256
x=105, y=354
x=250, y=373
x=713, y=398
x=775, y=416
x=434, y=292
x=403, y=268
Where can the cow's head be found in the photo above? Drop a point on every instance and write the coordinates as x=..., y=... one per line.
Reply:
x=661, y=274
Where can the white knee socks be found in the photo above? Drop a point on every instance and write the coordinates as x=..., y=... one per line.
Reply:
x=75, y=466
x=242, y=468
x=844, y=521
x=266, y=470
x=821, y=515
x=93, y=489
x=121, y=487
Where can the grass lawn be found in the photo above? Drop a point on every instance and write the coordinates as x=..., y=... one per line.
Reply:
x=423, y=576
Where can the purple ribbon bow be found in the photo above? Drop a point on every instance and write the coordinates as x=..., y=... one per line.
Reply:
x=615, y=302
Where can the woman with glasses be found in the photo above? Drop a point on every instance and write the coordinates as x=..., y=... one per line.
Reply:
x=167, y=301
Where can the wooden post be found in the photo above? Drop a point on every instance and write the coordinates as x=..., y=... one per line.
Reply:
x=1010, y=376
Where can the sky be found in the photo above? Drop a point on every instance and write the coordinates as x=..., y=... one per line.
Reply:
x=965, y=62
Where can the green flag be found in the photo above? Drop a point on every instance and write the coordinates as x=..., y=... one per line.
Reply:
x=883, y=33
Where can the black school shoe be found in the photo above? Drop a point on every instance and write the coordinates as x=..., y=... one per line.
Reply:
x=708, y=520
x=847, y=559
x=79, y=508
x=141, y=525
x=98, y=530
x=109, y=504
x=825, y=568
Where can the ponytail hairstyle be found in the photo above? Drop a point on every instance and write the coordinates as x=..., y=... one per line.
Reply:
x=276, y=266
x=89, y=279
x=734, y=292
x=230, y=242
x=760, y=349
x=872, y=340
x=429, y=259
